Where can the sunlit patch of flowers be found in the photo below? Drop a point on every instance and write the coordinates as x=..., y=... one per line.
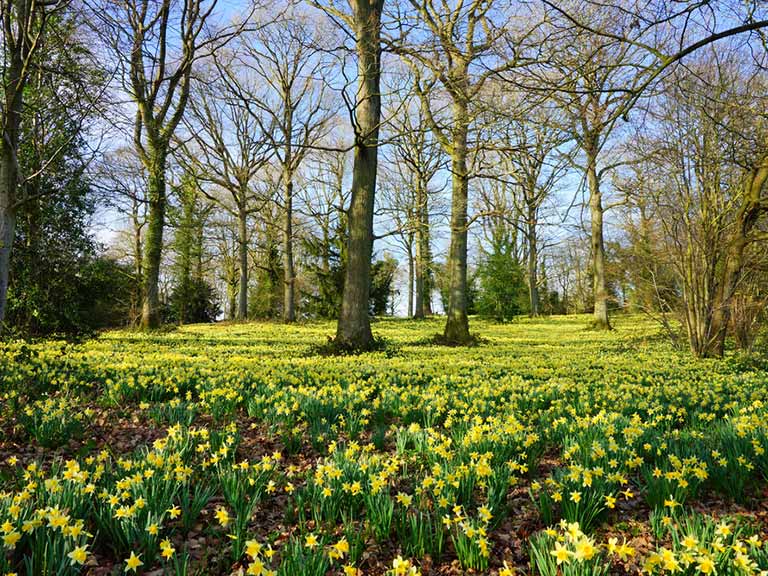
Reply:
x=566, y=550
x=401, y=567
x=54, y=421
x=470, y=536
x=426, y=453
x=702, y=545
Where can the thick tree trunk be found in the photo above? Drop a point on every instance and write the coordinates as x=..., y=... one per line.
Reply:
x=354, y=327
x=15, y=82
x=427, y=274
x=422, y=290
x=7, y=231
x=153, y=244
x=242, y=247
x=137, y=264
x=599, y=288
x=457, y=323
x=533, y=262
x=410, y=276
x=289, y=281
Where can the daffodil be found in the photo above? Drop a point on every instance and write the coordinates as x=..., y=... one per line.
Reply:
x=561, y=554
x=222, y=516
x=575, y=497
x=705, y=565
x=79, y=555
x=133, y=562
x=584, y=550
x=11, y=538
x=166, y=549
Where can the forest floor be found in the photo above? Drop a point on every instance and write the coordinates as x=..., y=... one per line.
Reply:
x=547, y=449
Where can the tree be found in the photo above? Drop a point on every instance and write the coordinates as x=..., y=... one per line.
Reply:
x=225, y=252
x=326, y=200
x=502, y=286
x=228, y=147
x=121, y=182
x=190, y=288
x=156, y=45
x=499, y=273
x=382, y=276
x=704, y=174
x=398, y=200
x=454, y=46
x=24, y=26
x=285, y=58
x=590, y=76
x=193, y=301
x=54, y=199
x=416, y=158
x=616, y=52
x=54, y=247
x=363, y=20
x=536, y=163
x=267, y=298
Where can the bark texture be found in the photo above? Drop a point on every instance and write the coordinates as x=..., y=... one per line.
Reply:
x=23, y=23
x=242, y=253
x=457, y=323
x=354, y=327
x=599, y=285
x=153, y=244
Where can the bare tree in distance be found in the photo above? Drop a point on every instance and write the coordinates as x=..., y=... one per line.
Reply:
x=417, y=158
x=453, y=50
x=536, y=162
x=703, y=173
x=413, y=158
x=285, y=57
x=226, y=148
x=121, y=179
x=602, y=58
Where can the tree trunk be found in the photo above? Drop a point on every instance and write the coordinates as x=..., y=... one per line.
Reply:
x=354, y=327
x=8, y=184
x=232, y=287
x=137, y=266
x=600, y=291
x=153, y=244
x=289, y=300
x=15, y=81
x=427, y=272
x=533, y=262
x=418, y=281
x=7, y=230
x=32, y=212
x=410, y=275
x=457, y=323
x=242, y=246
x=422, y=300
